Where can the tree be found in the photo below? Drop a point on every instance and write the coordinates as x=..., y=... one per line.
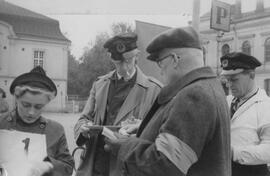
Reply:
x=73, y=65
x=94, y=62
x=121, y=27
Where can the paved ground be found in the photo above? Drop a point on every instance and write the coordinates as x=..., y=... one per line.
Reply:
x=68, y=120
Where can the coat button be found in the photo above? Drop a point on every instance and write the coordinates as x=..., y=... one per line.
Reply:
x=42, y=125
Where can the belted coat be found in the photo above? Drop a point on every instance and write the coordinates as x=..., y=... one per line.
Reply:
x=137, y=103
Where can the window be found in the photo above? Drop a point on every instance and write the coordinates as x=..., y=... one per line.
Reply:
x=225, y=49
x=38, y=58
x=267, y=86
x=246, y=47
x=267, y=50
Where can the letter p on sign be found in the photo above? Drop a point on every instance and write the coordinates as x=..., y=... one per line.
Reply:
x=220, y=16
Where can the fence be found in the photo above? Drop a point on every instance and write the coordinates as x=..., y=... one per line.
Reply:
x=75, y=104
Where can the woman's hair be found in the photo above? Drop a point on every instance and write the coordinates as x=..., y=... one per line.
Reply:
x=20, y=91
x=3, y=93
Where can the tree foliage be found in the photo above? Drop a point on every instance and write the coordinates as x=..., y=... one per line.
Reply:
x=94, y=62
x=72, y=74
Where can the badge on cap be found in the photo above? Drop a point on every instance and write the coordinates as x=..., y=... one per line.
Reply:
x=224, y=63
x=120, y=47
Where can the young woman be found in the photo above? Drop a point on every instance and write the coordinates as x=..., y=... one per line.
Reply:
x=32, y=92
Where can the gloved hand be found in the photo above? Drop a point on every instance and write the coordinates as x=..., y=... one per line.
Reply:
x=40, y=168
x=84, y=129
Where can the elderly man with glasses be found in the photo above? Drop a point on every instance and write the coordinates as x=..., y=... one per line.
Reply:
x=187, y=130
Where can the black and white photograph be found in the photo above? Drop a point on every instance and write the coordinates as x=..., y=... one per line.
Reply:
x=135, y=88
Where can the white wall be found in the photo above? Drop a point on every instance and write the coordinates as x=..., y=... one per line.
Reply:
x=17, y=58
x=255, y=31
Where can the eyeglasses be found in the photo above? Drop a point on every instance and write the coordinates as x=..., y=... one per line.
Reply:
x=159, y=62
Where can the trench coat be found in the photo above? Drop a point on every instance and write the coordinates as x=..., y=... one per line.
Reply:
x=136, y=104
x=186, y=132
x=250, y=136
x=57, y=149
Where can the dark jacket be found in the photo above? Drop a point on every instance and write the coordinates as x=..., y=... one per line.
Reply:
x=137, y=104
x=57, y=149
x=186, y=132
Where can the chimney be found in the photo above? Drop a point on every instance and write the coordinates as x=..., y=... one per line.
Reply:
x=259, y=6
x=238, y=10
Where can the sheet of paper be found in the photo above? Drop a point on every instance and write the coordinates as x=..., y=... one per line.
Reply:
x=19, y=149
x=108, y=133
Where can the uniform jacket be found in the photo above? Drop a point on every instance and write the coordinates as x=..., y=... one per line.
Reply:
x=57, y=149
x=250, y=131
x=137, y=103
x=186, y=132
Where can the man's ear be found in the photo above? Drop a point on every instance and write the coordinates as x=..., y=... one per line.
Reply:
x=176, y=60
x=252, y=75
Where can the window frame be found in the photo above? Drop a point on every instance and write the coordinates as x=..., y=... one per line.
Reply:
x=267, y=50
x=223, y=47
x=267, y=86
x=246, y=45
x=38, y=57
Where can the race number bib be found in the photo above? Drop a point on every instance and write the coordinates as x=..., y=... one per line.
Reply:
x=19, y=149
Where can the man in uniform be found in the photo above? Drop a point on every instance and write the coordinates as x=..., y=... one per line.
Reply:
x=186, y=132
x=121, y=96
x=250, y=121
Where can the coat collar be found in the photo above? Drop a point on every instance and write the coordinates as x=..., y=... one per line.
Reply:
x=259, y=97
x=13, y=118
x=169, y=91
x=141, y=77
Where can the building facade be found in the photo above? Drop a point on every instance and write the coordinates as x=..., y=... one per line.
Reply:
x=28, y=39
x=249, y=33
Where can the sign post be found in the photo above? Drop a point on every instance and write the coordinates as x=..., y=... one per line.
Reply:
x=220, y=21
x=196, y=15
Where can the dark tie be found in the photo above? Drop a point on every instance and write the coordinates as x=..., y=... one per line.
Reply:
x=234, y=106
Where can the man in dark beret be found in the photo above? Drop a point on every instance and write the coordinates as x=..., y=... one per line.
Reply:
x=186, y=132
x=120, y=98
x=250, y=122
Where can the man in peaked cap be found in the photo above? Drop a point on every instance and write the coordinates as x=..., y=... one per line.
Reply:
x=117, y=98
x=186, y=132
x=250, y=122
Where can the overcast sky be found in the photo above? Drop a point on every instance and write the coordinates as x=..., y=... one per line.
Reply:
x=82, y=20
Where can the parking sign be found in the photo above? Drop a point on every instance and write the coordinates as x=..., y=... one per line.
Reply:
x=220, y=16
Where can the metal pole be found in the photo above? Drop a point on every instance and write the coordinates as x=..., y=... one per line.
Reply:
x=218, y=38
x=196, y=15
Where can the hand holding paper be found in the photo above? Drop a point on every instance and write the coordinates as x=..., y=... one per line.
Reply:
x=108, y=133
x=40, y=168
x=18, y=150
x=130, y=126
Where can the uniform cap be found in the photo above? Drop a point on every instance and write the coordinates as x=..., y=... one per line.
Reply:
x=121, y=44
x=236, y=62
